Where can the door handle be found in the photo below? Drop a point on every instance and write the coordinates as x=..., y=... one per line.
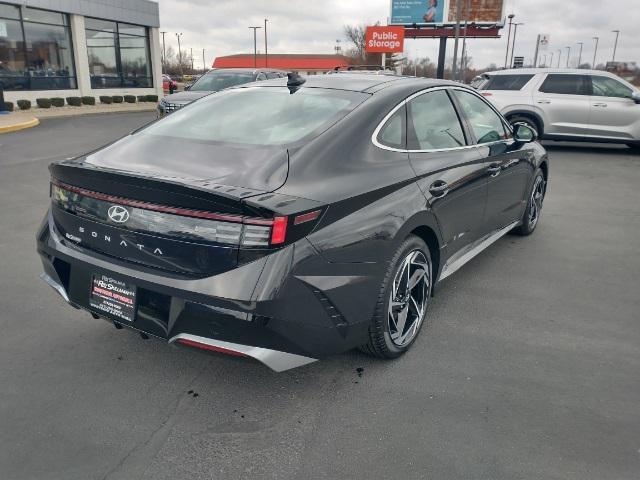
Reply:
x=599, y=104
x=494, y=169
x=439, y=188
x=545, y=102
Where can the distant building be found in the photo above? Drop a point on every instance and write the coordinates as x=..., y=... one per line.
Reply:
x=301, y=63
x=64, y=48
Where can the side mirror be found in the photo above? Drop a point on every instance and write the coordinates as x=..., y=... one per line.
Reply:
x=524, y=133
x=635, y=96
x=187, y=86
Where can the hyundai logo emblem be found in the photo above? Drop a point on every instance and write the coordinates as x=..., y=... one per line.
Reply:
x=118, y=214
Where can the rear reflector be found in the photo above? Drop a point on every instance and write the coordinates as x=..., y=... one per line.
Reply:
x=204, y=346
x=306, y=217
x=278, y=230
x=486, y=94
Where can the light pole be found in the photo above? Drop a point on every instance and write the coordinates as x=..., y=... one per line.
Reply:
x=615, y=45
x=595, y=50
x=179, y=52
x=265, y=42
x=580, y=54
x=506, y=55
x=204, y=65
x=191, y=53
x=568, y=55
x=164, y=53
x=551, y=62
x=559, y=56
x=513, y=46
x=255, y=47
x=544, y=60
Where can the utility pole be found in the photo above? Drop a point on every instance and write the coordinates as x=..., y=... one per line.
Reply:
x=204, y=65
x=615, y=45
x=506, y=55
x=595, y=51
x=580, y=54
x=559, y=56
x=179, y=53
x=255, y=47
x=191, y=54
x=164, y=54
x=463, y=62
x=568, y=55
x=551, y=62
x=265, y=42
x=513, y=46
x=454, y=72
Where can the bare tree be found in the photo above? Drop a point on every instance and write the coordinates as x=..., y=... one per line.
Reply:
x=356, y=35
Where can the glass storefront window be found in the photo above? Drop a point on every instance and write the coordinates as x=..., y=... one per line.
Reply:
x=35, y=50
x=118, y=55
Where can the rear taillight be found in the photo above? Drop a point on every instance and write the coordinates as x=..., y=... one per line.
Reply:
x=486, y=94
x=279, y=230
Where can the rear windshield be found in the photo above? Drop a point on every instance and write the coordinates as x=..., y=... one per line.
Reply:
x=507, y=82
x=258, y=115
x=219, y=80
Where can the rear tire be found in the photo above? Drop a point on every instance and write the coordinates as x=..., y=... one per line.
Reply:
x=402, y=303
x=532, y=213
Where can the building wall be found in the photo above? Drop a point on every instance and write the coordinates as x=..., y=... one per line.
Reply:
x=140, y=12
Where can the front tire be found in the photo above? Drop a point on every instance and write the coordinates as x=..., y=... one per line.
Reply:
x=402, y=302
x=532, y=213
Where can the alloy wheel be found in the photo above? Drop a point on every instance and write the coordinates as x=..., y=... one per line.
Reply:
x=535, y=202
x=409, y=296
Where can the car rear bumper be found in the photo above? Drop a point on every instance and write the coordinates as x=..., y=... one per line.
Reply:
x=273, y=309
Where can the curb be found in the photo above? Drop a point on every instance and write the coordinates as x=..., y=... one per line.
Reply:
x=19, y=126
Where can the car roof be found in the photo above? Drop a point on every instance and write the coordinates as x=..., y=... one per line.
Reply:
x=358, y=82
x=533, y=71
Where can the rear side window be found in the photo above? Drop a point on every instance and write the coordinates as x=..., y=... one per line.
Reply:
x=565, y=84
x=393, y=132
x=434, y=123
x=271, y=75
x=507, y=82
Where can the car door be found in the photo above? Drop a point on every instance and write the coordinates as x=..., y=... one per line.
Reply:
x=613, y=112
x=449, y=172
x=563, y=100
x=507, y=167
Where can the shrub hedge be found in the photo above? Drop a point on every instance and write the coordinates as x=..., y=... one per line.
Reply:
x=88, y=100
x=57, y=101
x=105, y=99
x=152, y=98
x=24, y=104
x=130, y=98
x=43, y=102
x=117, y=99
x=142, y=98
x=74, y=101
x=8, y=106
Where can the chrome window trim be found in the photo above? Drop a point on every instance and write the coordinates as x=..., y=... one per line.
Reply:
x=376, y=132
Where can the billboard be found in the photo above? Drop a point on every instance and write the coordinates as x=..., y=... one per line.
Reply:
x=384, y=39
x=443, y=12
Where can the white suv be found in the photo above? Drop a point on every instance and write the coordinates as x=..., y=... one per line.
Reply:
x=564, y=104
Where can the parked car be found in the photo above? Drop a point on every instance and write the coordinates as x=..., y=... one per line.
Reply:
x=168, y=84
x=304, y=218
x=564, y=104
x=213, y=81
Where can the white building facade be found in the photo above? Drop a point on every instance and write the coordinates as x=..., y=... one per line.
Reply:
x=65, y=48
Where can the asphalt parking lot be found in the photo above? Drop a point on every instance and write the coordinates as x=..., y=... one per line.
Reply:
x=528, y=368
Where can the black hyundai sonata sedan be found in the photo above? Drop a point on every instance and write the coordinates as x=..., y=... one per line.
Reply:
x=291, y=219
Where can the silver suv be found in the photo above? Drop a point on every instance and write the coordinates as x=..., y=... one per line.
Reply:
x=564, y=104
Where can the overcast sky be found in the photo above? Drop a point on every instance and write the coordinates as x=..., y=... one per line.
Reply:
x=296, y=26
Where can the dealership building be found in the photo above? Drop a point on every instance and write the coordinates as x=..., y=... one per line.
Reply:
x=64, y=48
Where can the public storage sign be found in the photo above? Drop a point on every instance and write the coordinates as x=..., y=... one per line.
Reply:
x=384, y=39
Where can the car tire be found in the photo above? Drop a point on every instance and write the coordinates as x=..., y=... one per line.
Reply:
x=531, y=216
x=528, y=121
x=389, y=335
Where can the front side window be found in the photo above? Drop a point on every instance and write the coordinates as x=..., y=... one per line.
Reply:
x=433, y=123
x=118, y=54
x=507, y=82
x=486, y=124
x=220, y=79
x=565, y=84
x=258, y=115
x=609, y=87
x=35, y=50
